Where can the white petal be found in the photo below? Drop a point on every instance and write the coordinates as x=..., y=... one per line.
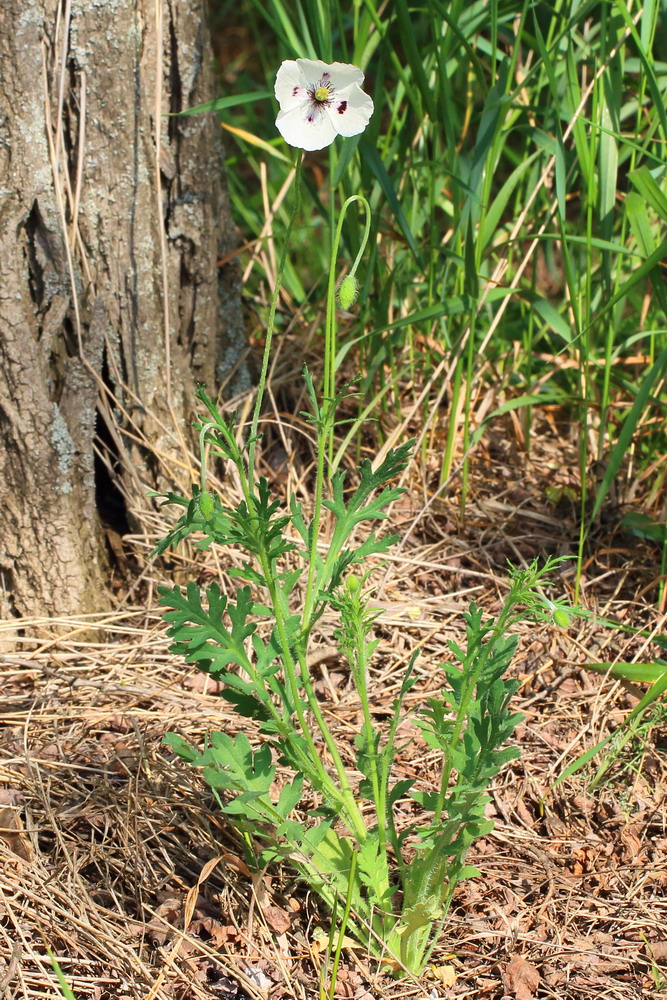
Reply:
x=306, y=127
x=290, y=86
x=339, y=74
x=350, y=111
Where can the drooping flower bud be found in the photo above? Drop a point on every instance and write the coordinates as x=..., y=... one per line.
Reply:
x=347, y=291
x=205, y=504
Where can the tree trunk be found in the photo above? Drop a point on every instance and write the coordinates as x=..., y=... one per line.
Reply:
x=112, y=305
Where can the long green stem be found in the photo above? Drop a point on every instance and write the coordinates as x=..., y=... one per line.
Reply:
x=329, y=379
x=315, y=530
x=343, y=924
x=272, y=317
x=461, y=716
x=343, y=795
x=290, y=672
x=354, y=816
x=360, y=670
x=313, y=760
x=326, y=424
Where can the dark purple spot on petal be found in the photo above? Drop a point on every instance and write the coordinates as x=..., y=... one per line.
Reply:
x=295, y=91
x=342, y=108
x=310, y=118
x=325, y=76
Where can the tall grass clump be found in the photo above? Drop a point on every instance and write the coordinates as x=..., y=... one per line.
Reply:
x=515, y=169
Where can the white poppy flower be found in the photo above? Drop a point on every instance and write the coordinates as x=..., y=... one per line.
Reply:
x=319, y=101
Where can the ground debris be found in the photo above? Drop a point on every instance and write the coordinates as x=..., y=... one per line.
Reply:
x=105, y=835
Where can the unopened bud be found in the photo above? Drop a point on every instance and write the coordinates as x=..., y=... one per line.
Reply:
x=347, y=291
x=352, y=584
x=205, y=504
x=561, y=617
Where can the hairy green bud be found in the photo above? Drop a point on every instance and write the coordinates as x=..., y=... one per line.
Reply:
x=205, y=505
x=347, y=291
x=561, y=617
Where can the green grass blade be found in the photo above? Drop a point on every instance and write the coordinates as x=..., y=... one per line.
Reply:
x=651, y=80
x=222, y=103
x=635, y=207
x=608, y=148
x=499, y=204
x=643, y=271
x=64, y=985
x=638, y=673
x=648, y=188
x=415, y=58
x=620, y=449
x=372, y=158
x=651, y=696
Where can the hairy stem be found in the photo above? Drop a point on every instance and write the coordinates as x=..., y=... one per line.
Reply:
x=272, y=316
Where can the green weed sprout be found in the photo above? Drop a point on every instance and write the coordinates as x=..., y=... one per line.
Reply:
x=65, y=988
x=337, y=827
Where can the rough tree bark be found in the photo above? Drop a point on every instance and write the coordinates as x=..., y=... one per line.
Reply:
x=111, y=302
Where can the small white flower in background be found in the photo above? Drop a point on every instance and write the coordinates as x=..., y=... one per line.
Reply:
x=319, y=101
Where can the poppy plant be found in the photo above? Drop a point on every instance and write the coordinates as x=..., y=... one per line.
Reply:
x=319, y=101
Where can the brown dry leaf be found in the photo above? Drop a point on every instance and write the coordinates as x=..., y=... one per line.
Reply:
x=202, y=684
x=11, y=831
x=216, y=933
x=526, y=816
x=585, y=804
x=521, y=979
x=319, y=943
x=582, y=955
x=658, y=951
x=584, y=860
x=631, y=842
x=554, y=975
x=485, y=986
x=120, y=723
x=346, y=983
x=238, y=863
x=277, y=919
x=168, y=912
x=445, y=974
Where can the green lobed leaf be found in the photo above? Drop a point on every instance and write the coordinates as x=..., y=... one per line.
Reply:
x=373, y=872
x=200, y=633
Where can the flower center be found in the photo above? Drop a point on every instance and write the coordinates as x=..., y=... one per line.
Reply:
x=321, y=94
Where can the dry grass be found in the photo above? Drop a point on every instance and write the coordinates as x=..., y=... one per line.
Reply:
x=115, y=856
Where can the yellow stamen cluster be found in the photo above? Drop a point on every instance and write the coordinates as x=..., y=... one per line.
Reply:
x=321, y=94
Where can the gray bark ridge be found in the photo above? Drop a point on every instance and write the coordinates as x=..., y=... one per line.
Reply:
x=112, y=304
